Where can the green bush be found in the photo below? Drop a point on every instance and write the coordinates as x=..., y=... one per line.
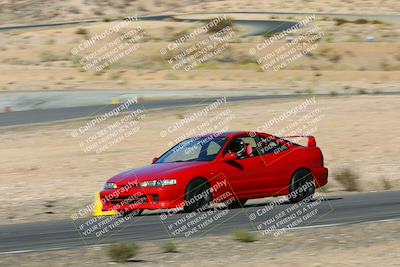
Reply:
x=348, y=179
x=169, y=247
x=244, y=236
x=123, y=252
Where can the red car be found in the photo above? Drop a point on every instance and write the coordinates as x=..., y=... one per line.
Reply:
x=229, y=167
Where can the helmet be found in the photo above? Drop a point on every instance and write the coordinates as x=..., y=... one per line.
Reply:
x=238, y=146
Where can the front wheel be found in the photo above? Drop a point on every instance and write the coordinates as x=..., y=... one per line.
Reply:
x=198, y=195
x=302, y=186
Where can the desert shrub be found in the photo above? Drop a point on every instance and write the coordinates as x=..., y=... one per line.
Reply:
x=348, y=179
x=169, y=247
x=244, y=236
x=340, y=21
x=387, y=185
x=123, y=252
x=333, y=93
x=318, y=74
x=221, y=24
x=360, y=21
x=81, y=31
x=308, y=91
x=335, y=58
x=361, y=91
x=375, y=21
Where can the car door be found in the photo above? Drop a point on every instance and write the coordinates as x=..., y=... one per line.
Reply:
x=276, y=172
x=243, y=174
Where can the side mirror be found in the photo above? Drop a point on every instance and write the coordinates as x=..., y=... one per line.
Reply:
x=154, y=160
x=230, y=157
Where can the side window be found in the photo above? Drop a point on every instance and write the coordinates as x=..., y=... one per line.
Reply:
x=269, y=145
x=213, y=148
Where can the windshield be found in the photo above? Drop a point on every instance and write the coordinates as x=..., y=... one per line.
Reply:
x=194, y=149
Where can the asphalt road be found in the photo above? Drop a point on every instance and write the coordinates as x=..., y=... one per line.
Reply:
x=70, y=113
x=38, y=116
x=333, y=210
x=386, y=18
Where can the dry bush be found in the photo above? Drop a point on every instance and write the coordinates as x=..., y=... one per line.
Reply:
x=244, y=236
x=386, y=184
x=169, y=247
x=123, y=252
x=348, y=179
x=81, y=31
x=221, y=24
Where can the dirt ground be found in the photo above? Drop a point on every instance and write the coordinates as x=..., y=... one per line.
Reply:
x=368, y=244
x=343, y=61
x=46, y=174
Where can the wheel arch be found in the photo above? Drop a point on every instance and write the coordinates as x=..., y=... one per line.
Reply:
x=194, y=179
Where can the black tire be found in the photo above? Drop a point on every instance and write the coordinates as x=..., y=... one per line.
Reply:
x=238, y=203
x=195, y=196
x=301, y=178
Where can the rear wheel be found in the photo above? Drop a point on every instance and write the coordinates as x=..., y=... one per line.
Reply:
x=238, y=203
x=302, y=186
x=198, y=195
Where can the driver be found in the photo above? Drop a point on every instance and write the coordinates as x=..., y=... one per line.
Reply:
x=237, y=146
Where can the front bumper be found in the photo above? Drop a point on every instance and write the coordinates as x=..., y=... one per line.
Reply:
x=142, y=198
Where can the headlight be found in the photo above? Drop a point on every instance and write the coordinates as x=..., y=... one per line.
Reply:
x=160, y=183
x=110, y=186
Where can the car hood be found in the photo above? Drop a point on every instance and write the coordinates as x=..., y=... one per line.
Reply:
x=154, y=171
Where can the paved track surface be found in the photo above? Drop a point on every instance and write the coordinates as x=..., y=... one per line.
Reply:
x=70, y=113
x=38, y=116
x=346, y=209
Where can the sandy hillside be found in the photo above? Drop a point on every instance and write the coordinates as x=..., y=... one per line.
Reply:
x=343, y=61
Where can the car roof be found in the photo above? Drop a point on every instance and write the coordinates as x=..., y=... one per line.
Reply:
x=227, y=134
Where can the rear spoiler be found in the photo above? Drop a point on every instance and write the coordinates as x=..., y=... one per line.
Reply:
x=311, y=139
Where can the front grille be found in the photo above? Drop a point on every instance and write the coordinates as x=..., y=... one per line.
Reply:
x=128, y=200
